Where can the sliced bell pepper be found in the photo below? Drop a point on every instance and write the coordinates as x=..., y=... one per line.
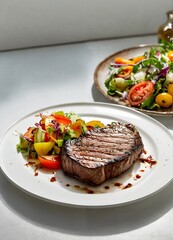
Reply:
x=62, y=119
x=121, y=60
x=138, y=59
x=94, y=124
x=77, y=127
x=125, y=71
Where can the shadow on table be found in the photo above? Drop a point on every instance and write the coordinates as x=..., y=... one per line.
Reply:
x=97, y=96
x=86, y=222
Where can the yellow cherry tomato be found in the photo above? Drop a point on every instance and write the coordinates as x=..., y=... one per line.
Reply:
x=170, y=55
x=164, y=100
x=170, y=88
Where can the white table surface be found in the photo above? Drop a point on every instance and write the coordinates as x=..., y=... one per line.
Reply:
x=36, y=78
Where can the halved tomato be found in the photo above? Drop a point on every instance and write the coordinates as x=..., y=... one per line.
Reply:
x=50, y=161
x=139, y=92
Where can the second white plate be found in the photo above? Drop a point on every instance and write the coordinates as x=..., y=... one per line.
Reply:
x=140, y=181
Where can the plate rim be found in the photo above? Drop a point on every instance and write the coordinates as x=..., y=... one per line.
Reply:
x=111, y=98
x=100, y=104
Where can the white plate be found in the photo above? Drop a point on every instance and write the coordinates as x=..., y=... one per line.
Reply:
x=157, y=140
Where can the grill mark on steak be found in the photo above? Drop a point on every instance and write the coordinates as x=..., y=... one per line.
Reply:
x=95, y=151
x=99, y=143
x=102, y=153
x=98, y=153
x=104, y=140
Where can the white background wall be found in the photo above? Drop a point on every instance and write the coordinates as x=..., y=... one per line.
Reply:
x=26, y=23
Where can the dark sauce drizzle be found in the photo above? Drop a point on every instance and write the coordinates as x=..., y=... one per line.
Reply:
x=149, y=160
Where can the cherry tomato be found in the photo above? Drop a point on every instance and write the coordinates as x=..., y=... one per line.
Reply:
x=170, y=55
x=170, y=89
x=164, y=100
x=139, y=92
x=50, y=161
x=125, y=72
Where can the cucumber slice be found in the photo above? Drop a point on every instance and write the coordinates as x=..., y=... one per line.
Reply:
x=39, y=136
x=23, y=142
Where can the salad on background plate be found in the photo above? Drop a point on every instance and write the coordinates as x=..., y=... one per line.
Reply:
x=139, y=77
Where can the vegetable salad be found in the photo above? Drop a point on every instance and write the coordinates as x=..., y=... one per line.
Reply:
x=43, y=141
x=144, y=81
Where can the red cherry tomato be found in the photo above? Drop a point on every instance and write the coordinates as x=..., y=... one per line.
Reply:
x=139, y=92
x=50, y=161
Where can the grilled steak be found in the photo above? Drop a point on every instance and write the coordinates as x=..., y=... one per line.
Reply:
x=102, y=153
